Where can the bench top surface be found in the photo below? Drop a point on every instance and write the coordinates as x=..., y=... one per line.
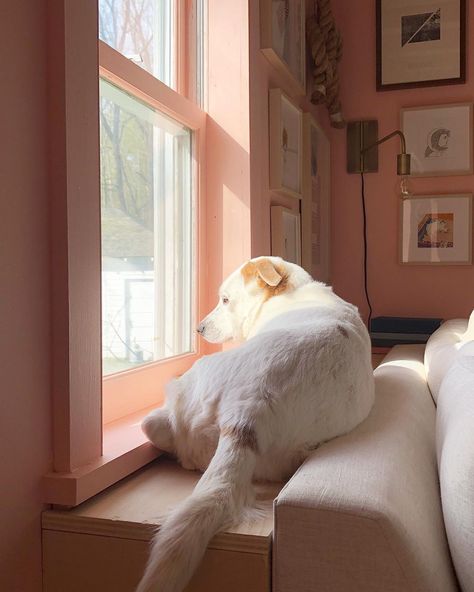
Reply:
x=135, y=506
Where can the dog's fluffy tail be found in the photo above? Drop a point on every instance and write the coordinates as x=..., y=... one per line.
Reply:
x=217, y=501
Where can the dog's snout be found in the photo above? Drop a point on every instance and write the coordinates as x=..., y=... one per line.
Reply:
x=200, y=329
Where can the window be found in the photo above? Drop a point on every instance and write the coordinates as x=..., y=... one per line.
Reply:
x=147, y=233
x=197, y=80
x=146, y=195
x=184, y=229
x=151, y=138
x=144, y=31
x=140, y=202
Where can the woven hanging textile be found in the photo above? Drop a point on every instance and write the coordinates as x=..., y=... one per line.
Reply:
x=325, y=44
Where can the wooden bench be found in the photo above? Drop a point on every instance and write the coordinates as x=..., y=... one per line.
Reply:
x=102, y=545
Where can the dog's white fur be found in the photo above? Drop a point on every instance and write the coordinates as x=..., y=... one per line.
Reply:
x=302, y=376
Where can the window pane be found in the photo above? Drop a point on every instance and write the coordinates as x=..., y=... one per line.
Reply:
x=143, y=31
x=200, y=7
x=146, y=202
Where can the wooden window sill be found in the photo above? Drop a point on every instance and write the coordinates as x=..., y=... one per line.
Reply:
x=81, y=544
x=125, y=450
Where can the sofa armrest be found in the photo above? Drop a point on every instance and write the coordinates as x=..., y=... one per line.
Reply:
x=363, y=513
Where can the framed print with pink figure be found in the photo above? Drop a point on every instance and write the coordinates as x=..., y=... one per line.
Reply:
x=436, y=230
x=286, y=145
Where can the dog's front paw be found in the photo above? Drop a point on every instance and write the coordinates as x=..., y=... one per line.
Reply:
x=157, y=428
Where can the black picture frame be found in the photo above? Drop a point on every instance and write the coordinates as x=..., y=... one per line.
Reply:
x=461, y=79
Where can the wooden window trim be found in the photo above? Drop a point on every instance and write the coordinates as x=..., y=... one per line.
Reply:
x=125, y=450
x=75, y=232
x=88, y=455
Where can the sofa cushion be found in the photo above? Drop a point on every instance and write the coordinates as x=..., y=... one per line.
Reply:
x=441, y=350
x=467, y=350
x=363, y=513
x=469, y=334
x=455, y=450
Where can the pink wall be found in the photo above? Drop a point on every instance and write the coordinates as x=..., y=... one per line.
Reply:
x=395, y=289
x=24, y=302
x=228, y=158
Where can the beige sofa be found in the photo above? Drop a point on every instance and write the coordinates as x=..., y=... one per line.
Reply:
x=390, y=506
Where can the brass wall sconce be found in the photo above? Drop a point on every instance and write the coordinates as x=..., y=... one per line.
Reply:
x=362, y=151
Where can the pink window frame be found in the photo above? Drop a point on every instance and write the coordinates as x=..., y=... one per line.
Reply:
x=89, y=453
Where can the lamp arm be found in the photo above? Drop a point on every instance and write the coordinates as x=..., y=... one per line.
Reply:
x=403, y=159
x=388, y=137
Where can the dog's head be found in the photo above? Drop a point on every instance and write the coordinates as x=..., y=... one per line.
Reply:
x=244, y=293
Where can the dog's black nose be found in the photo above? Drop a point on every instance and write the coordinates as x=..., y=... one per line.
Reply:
x=200, y=329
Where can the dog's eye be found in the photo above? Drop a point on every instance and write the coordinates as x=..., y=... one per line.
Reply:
x=225, y=300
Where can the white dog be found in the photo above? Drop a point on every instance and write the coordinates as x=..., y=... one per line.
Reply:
x=302, y=376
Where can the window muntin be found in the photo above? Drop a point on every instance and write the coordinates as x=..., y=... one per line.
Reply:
x=199, y=41
x=143, y=31
x=147, y=233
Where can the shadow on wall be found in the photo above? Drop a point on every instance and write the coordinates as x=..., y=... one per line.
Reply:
x=228, y=207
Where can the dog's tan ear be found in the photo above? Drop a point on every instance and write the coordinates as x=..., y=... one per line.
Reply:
x=266, y=270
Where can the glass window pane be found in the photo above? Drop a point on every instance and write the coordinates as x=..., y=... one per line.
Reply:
x=143, y=31
x=200, y=84
x=147, y=228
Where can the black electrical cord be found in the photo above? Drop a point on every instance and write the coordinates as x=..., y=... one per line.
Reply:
x=366, y=282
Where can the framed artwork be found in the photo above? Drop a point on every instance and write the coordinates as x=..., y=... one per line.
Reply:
x=420, y=43
x=439, y=138
x=315, y=205
x=286, y=145
x=282, y=39
x=436, y=230
x=286, y=234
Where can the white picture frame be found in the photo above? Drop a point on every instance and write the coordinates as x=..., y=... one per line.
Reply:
x=283, y=40
x=286, y=234
x=436, y=230
x=439, y=139
x=286, y=145
x=316, y=205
